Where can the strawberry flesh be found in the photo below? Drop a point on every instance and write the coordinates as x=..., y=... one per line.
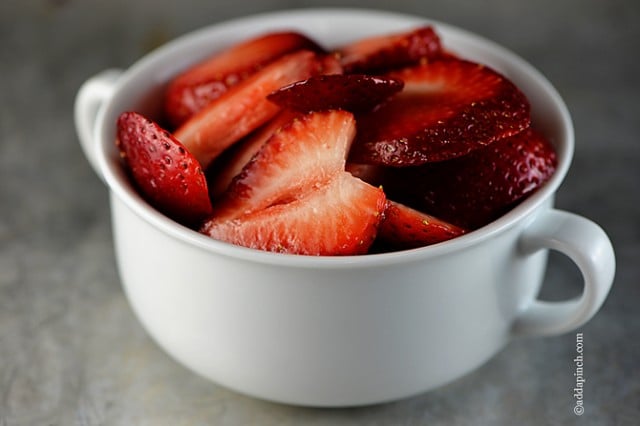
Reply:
x=232, y=161
x=169, y=177
x=243, y=108
x=405, y=228
x=378, y=54
x=476, y=189
x=338, y=218
x=305, y=153
x=195, y=88
x=351, y=92
x=447, y=109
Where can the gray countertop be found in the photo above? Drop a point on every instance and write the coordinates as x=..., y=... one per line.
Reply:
x=71, y=350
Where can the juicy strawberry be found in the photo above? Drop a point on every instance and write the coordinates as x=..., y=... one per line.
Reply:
x=404, y=228
x=168, y=176
x=231, y=163
x=473, y=190
x=351, y=92
x=338, y=218
x=193, y=89
x=243, y=108
x=383, y=53
x=303, y=154
x=447, y=108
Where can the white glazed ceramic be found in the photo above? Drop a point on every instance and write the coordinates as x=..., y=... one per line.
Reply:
x=339, y=331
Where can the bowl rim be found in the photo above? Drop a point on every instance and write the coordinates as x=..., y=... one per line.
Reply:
x=125, y=192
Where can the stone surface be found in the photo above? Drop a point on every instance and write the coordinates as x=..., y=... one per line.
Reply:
x=71, y=351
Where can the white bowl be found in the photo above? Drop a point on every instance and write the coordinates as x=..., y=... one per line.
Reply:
x=337, y=331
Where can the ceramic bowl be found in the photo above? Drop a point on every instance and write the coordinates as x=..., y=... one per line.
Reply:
x=339, y=331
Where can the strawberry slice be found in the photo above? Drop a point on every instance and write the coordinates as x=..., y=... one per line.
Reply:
x=352, y=92
x=447, y=109
x=404, y=228
x=379, y=54
x=303, y=154
x=244, y=107
x=196, y=87
x=168, y=176
x=473, y=190
x=339, y=218
x=231, y=162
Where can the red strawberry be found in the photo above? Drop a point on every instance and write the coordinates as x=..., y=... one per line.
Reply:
x=352, y=92
x=302, y=155
x=193, y=89
x=231, y=163
x=447, y=108
x=473, y=190
x=338, y=218
x=383, y=53
x=168, y=176
x=243, y=108
x=404, y=228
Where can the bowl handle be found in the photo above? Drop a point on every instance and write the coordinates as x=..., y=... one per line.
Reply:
x=91, y=96
x=586, y=244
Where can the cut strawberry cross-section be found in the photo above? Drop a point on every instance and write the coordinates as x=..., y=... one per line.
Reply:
x=168, y=176
x=339, y=218
x=232, y=161
x=351, y=92
x=244, y=107
x=303, y=154
x=379, y=54
x=404, y=228
x=193, y=89
x=447, y=108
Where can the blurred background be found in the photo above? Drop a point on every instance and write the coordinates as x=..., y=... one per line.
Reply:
x=71, y=351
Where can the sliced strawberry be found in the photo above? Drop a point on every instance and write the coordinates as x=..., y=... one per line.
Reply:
x=338, y=218
x=303, y=154
x=193, y=89
x=243, y=108
x=404, y=228
x=231, y=163
x=351, y=92
x=168, y=176
x=383, y=53
x=447, y=108
x=473, y=190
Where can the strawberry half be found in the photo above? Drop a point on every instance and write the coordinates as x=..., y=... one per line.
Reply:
x=405, y=228
x=302, y=155
x=447, y=109
x=196, y=87
x=244, y=107
x=169, y=177
x=379, y=54
x=473, y=190
x=351, y=92
x=339, y=218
